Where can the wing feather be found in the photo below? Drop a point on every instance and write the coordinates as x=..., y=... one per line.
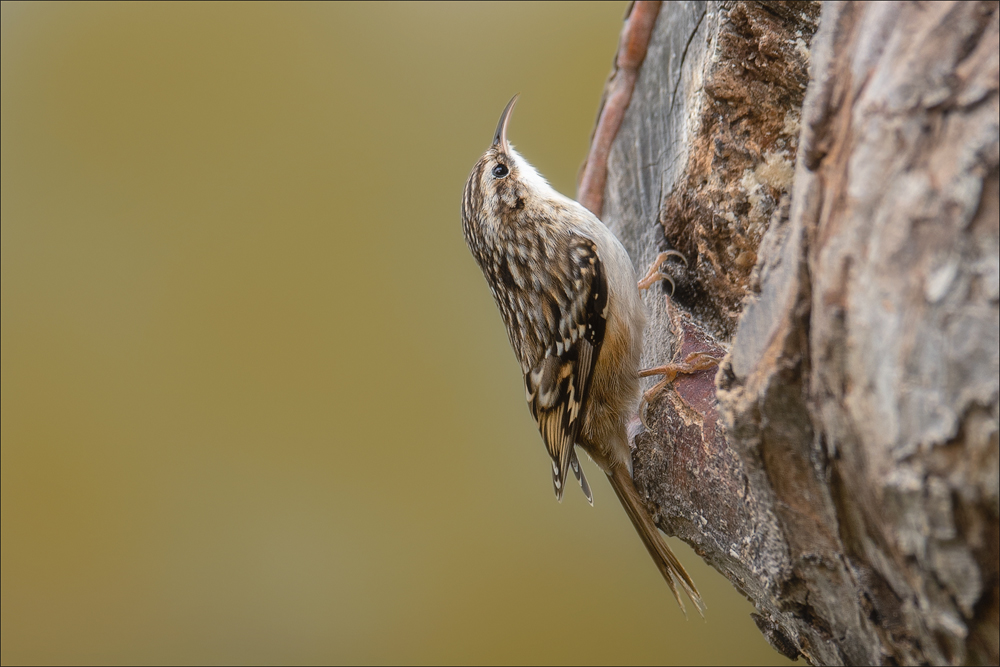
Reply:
x=557, y=386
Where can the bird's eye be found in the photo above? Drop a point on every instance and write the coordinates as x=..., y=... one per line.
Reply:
x=500, y=171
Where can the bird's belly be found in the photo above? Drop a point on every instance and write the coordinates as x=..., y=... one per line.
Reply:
x=613, y=399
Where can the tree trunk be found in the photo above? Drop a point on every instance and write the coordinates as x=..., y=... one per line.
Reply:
x=836, y=192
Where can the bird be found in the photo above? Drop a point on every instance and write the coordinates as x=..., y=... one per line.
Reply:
x=569, y=299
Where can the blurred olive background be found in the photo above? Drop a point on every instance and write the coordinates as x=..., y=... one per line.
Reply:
x=257, y=403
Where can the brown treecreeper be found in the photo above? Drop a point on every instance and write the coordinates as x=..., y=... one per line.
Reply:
x=568, y=295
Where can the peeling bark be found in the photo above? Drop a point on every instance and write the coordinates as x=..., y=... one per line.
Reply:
x=837, y=193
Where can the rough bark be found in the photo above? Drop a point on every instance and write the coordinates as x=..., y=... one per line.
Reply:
x=837, y=194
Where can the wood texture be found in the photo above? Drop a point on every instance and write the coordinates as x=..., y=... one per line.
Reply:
x=632, y=47
x=837, y=193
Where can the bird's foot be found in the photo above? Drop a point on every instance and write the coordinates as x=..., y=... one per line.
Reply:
x=694, y=362
x=654, y=275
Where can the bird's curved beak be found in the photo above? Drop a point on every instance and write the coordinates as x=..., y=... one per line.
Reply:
x=500, y=138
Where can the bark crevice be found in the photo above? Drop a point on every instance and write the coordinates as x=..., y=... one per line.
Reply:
x=832, y=176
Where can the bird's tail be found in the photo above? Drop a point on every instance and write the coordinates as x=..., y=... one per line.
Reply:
x=665, y=560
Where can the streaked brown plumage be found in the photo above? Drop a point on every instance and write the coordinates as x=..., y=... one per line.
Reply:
x=567, y=293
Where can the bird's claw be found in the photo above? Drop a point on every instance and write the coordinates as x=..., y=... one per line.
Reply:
x=694, y=362
x=654, y=275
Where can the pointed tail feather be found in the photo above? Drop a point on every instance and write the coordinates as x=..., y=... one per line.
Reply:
x=671, y=569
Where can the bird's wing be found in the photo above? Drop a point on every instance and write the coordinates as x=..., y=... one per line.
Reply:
x=556, y=387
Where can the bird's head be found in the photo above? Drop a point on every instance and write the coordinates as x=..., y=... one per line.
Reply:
x=502, y=184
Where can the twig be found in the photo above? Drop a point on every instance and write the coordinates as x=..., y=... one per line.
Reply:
x=632, y=48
